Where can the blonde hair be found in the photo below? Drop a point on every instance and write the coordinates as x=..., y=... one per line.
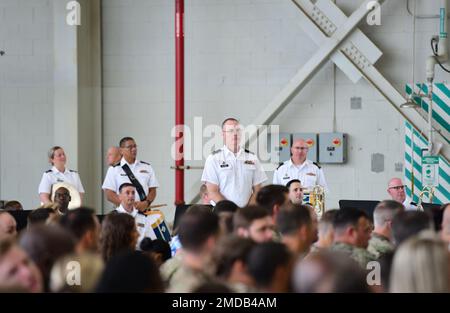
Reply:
x=51, y=153
x=90, y=266
x=421, y=265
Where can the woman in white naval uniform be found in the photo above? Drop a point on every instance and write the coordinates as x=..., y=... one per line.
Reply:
x=58, y=173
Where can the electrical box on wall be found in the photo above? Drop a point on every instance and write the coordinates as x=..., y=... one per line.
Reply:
x=332, y=148
x=282, y=150
x=311, y=141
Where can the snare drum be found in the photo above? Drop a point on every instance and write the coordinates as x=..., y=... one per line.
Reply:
x=157, y=227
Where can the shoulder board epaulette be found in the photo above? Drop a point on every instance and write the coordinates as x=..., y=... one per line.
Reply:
x=49, y=171
x=280, y=165
x=73, y=171
x=248, y=151
x=317, y=165
x=117, y=164
x=145, y=162
x=217, y=151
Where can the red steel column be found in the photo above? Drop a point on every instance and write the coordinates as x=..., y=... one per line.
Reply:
x=179, y=101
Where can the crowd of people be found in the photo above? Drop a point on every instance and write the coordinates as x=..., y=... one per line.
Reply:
x=245, y=236
x=274, y=245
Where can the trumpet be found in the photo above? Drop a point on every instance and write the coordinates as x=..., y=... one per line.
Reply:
x=317, y=200
x=429, y=192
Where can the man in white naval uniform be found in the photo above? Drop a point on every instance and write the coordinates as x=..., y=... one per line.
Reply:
x=231, y=172
x=396, y=189
x=127, y=197
x=298, y=167
x=141, y=171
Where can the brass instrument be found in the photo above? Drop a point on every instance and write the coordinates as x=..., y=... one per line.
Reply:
x=426, y=190
x=317, y=200
x=75, y=196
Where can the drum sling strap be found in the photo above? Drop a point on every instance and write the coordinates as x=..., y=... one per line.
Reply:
x=135, y=182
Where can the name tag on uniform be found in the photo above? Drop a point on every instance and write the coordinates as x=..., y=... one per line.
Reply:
x=310, y=174
x=249, y=162
x=140, y=225
x=224, y=165
x=123, y=175
x=59, y=180
x=143, y=171
x=286, y=177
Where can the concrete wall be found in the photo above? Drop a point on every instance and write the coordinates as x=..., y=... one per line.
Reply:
x=239, y=54
x=50, y=95
x=26, y=97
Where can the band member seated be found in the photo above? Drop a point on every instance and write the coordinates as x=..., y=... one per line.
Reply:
x=295, y=191
x=62, y=199
x=127, y=193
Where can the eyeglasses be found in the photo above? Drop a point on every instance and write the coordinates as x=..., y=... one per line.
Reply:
x=402, y=187
x=130, y=147
x=233, y=131
x=301, y=148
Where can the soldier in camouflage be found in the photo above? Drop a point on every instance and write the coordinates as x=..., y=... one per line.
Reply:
x=352, y=229
x=381, y=241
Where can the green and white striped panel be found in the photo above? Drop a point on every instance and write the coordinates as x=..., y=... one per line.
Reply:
x=413, y=165
x=441, y=102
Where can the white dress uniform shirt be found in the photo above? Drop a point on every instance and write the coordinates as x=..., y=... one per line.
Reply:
x=54, y=176
x=143, y=172
x=309, y=174
x=234, y=174
x=143, y=225
x=409, y=205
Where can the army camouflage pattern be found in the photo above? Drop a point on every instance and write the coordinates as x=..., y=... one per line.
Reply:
x=379, y=245
x=186, y=279
x=360, y=255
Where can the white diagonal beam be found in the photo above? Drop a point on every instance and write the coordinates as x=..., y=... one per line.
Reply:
x=321, y=18
x=393, y=96
x=353, y=56
x=304, y=75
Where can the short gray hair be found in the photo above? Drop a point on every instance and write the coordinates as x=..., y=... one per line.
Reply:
x=385, y=211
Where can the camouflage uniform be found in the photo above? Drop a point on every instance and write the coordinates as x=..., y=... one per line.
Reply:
x=360, y=255
x=276, y=236
x=186, y=279
x=242, y=288
x=314, y=248
x=180, y=278
x=379, y=245
x=170, y=267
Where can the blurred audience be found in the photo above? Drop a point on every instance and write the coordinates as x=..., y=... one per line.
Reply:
x=18, y=273
x=409, y=223
x=421, y=264
x=325, y=231
x=295, y=224
x=254, y=222
x=118, y=234
x=8, y=226
x=84, y=226
x=76, y=273
x=45, y=244
x=13, y=205
x=131, y=271
x=381, y=241
x=270, y=265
